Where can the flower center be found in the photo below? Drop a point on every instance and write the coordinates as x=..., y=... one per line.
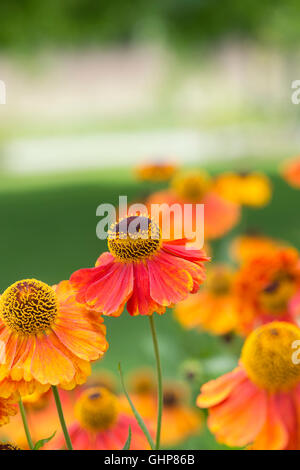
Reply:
x=219, y=281
x=191, y=186
x=8, y=446
x=28, y=306
x=276, y=295
x=267, y=356
x=134, y=238
x=97, y=409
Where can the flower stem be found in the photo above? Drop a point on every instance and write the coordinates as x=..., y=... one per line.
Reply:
x=159, y=382
x=61, y=417
x=25, y=424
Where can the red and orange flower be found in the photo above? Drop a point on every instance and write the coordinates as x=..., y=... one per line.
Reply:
x=251, y=245
x=46, y=338
x=258, y=403
x=195, y=187
x=141, y=270
x=267, y=289
x=155, y=171
x=101, y=424
x=213, y=308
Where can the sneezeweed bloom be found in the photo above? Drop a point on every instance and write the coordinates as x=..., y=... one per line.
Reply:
x=213, y=308
x=8, y=408
x=141, y=270
x=290, y=171
x=195, y=187
x=246, y=188
x=251, y=245
x=257, y=404
x=155, y=171
x=47, y=338
x=9, y=446
x=101, y=425
x=267, y=288
x=179, y=419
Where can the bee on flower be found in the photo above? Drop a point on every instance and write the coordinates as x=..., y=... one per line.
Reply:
x=140, y=271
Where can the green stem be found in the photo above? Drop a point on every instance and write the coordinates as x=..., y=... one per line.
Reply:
x=61, y=417
x=159, y=382
x=25, y=424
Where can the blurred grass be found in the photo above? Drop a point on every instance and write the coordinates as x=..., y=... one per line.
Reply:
x=48, y=231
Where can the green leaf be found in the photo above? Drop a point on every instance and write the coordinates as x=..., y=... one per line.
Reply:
x=42, y=442
x=127, y=443
x=135, y=412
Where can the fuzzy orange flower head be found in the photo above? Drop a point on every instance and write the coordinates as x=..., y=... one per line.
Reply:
x=8, y=407
x=9, y=446
x=140, y=270
x=46, y=338
x=156, y=171
x=267, y=289
x=258, y=403
x=251, y=245
x=193, y=188
x=247, y=188
x=179, y=419
x=290, y=171
x=101, y=425
x=213, y=308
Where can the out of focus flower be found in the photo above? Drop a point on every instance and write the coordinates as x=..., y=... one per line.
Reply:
x=42, y=417
x=47, y=338
x=155, y=171
x=7, y=408
x=213, y=308
x=257, y=404
x=140, y=270
x=101, y=425
x=9, y=446
x=179, y=419
x=267, y=287
x=290, y=171
x=251, y=245
x=195, y=187
x=248, y=188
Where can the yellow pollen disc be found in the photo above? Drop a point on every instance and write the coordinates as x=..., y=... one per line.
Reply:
x=276, y=295
x=191, y=186
x=134, y=238
x=97, y=409
x=219, y=281
x=267, y=356
x=142, y=382
x=28, y=306
x=8, y=446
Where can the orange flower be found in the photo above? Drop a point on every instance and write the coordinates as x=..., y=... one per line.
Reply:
x=258, y=403
x=101, y=425
x=194, y=188
x=246, y=188
x=251, y=245
x=291, y=172
x=42, y=417
x=7, y=408
x=155, y=171
x=47, y=338
x=140, y=270
x=213, y=308
x=267, y=288
x=179, y=419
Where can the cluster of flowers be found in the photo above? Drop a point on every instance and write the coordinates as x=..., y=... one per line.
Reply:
x=49, y=336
